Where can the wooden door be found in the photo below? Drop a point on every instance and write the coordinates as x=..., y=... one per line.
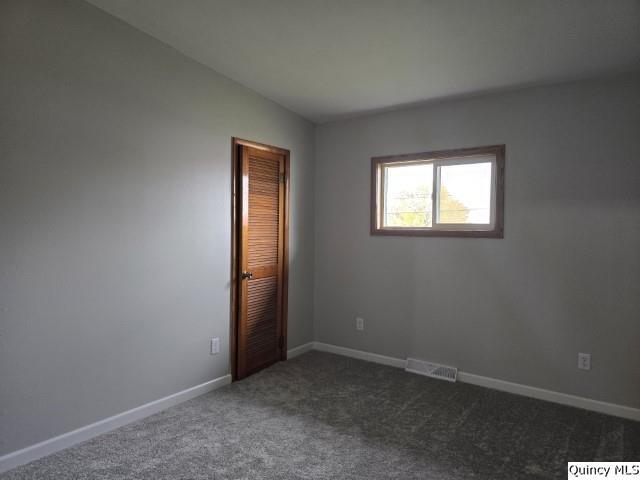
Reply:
x=261, y=279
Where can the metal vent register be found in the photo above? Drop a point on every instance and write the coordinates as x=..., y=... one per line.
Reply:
x=429, y=369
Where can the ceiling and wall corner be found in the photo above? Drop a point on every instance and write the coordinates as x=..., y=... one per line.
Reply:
x=335, y=58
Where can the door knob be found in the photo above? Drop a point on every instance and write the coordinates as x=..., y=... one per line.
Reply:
x=246, y=275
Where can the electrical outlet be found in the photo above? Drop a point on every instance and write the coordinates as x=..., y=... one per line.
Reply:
x=359, y=323
x=584, y=361
x=215, y=345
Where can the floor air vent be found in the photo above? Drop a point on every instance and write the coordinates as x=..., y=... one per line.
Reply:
x=434, y=370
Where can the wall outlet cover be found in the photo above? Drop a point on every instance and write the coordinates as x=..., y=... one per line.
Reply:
x=584, y=361
x=359, y=323
x=215, y=345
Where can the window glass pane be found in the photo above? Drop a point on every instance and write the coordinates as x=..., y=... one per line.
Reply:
x=407, y=195
x=465, y=193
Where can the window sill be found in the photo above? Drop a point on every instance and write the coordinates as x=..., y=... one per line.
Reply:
x=423, y=232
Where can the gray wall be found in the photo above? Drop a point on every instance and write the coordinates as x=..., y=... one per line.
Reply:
x=115, y=217
x=566, y=277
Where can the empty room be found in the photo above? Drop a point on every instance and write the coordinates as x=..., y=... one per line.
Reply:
x=319, y=239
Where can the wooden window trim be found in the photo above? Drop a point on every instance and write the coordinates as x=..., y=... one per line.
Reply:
x=377, y=193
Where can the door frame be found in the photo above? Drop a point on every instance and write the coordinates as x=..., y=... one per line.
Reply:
x=236, y=226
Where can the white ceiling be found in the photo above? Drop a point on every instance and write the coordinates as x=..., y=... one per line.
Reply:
x=326, y=59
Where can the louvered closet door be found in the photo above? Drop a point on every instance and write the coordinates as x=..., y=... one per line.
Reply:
x=260, y=339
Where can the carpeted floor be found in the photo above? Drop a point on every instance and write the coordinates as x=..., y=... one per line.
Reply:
x=322, y=416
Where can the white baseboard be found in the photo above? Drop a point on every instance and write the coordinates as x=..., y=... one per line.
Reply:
x=552, y=396
x=359, y=354
x=66, y=440
x=517, y=388
x=299, y=350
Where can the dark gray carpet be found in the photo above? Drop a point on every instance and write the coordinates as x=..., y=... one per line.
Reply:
x=322, y=416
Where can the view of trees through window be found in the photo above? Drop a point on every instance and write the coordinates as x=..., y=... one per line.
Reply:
x=464, y=194
x=408, y=190
x=414, y=209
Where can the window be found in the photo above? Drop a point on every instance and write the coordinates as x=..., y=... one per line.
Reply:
x=452, y=193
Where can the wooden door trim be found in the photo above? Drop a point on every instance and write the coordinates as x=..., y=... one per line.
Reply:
x=236, y=178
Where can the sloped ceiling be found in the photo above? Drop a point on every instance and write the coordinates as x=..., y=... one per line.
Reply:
x=326, y=59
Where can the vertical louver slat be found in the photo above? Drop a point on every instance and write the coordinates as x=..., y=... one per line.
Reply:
x=263, y=247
